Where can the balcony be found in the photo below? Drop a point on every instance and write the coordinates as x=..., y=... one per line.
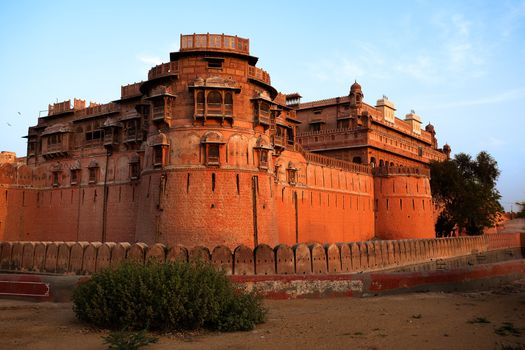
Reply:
x=56, y=150
x=163, y=70
x=279, y=141
x=161, y=113
x=133, y=135
x=263, y=118
x=111, y=137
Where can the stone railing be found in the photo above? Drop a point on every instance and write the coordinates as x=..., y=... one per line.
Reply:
x=130, y=90
x=96, y=110
x=400, y=170
x=336, y=163
x=163, y=70
x=301, y=259
x=259, y=74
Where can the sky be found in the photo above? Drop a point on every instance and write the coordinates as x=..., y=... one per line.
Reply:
x=459, y=64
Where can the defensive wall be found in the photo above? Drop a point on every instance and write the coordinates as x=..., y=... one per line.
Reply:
x=329, y=201
x=282, y=271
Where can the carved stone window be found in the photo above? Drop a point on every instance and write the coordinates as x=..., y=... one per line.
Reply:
x=212, y=142
x=212, y=155
x=93, y=170
x=291, y=172
x=75, y=173
x=160, y=146
x=228, y=103
x=134, y=167
x=200, y=103
x=262, y=147
x=75, y=176
x=93, y=132
x=56, y=177
x=214, y=101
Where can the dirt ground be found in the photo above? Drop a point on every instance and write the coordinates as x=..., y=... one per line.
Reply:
x=481, y=320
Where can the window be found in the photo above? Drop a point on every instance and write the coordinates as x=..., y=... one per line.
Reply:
x=54, y=139
x=263, y=158
x=75, y=176
x=93, y=174
x=55, y=179
x=132, y=130
x=214, y=63
x=315, y=127
x=158, y=156
x=343, y=124
x=292, y=174
x=93, y=132
x=228, y=103
x=212, y=157
x=292, y=178
x=134, y=169
x=356, y=160
x=200, y=102
x=214, y=102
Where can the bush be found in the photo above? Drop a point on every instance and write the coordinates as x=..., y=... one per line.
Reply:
x=164, y=297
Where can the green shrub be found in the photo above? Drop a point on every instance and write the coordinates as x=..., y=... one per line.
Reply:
x=171, y=296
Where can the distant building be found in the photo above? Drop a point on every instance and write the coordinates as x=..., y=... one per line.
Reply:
x=349, y=129
x=206, y=152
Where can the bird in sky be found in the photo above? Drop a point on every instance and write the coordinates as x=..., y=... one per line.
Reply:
x=8, y=124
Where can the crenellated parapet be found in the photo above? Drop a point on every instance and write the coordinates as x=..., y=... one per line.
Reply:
x=85, y=258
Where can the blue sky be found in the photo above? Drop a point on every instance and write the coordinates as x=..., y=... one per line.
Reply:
x=460, y=65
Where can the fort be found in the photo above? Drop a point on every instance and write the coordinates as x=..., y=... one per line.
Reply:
x=207, y=152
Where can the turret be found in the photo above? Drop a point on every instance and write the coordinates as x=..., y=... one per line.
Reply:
x=356, y=95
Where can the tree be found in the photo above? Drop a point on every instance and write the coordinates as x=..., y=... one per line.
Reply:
x=465, y=189
x=521, y=213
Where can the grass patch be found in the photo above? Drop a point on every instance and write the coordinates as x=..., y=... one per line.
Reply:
x=478, y=320
x=507, y=328
x=128, y=340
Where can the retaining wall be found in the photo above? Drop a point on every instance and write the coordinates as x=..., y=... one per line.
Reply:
x=79, y=258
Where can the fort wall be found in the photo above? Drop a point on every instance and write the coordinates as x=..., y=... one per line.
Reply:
x=403, y=207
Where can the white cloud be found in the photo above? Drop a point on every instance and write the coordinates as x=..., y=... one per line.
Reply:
x=151, y=60
x=504, y=96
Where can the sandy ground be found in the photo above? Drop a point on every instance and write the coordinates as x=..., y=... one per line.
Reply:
x=409, y=321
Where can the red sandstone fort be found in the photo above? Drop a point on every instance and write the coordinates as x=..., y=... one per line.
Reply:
x=207, y=152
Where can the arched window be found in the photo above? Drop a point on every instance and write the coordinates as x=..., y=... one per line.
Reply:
x=200, y=102
x=228, y=104
x=381, y=163
x=214, y=102
x=373, y=162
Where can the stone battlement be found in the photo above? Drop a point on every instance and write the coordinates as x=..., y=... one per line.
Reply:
x=301, y=259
